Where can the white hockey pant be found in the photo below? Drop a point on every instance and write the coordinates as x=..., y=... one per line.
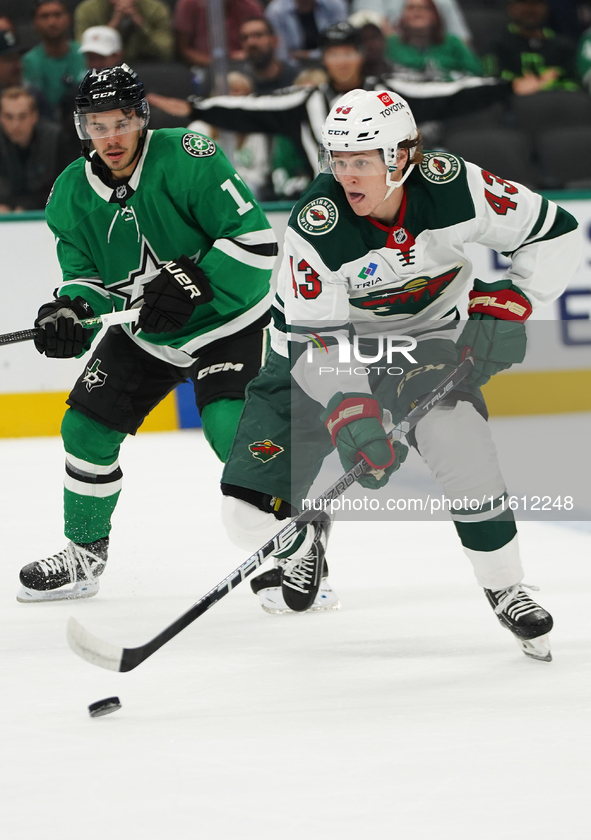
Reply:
x=457, y=446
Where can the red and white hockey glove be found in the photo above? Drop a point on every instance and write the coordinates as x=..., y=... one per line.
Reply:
x=354, y=422
x=495, y=331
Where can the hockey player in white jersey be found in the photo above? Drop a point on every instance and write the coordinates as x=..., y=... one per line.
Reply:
x=377, y=245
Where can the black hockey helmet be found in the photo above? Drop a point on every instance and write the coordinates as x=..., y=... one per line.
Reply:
x=340, y=34
x=110, y=89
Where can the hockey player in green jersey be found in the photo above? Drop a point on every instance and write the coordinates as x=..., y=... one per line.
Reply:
x=376, y=247
x=161, y=222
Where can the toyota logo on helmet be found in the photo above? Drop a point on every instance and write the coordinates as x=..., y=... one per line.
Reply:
x=367, y=120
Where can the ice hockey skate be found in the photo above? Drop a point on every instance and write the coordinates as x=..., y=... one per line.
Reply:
x=300, y=580
x=529, y=623
x=72, y=573
x=268, y=587
x=298, y=577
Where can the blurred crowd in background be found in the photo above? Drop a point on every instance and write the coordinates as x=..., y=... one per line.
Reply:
x=539, y=134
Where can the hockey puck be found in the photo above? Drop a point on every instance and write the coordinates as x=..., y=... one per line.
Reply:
x=104, y=707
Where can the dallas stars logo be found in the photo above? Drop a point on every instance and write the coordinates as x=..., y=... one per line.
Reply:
x=198, y=146
x=131, y=290
x=94, y=377
x=265, y=450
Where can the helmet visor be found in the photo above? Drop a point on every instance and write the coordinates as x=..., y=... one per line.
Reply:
x=357, y=164
x=100, y=124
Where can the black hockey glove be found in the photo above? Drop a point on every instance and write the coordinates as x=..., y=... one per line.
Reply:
x=495, y=331
x=61, y=335
x=171, y=297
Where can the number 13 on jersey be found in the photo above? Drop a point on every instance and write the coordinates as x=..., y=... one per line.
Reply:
x=312, y=285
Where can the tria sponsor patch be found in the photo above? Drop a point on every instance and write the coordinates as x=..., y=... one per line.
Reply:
x=368, y=271
x=265, y=450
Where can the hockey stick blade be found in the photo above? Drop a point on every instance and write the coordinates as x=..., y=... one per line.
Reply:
x=114, y=658
x=94, y=650
x=126, y=316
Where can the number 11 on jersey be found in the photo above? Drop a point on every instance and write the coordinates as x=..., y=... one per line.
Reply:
x=243, y=206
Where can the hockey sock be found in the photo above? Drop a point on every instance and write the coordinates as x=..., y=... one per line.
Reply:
x=220, y=421
x=93, y=477
x=490, y=535
x=493, y=550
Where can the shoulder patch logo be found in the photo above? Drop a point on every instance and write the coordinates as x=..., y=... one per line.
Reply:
x=265, y=450
x=198, y=146
x=318, y=216
x=439, y=168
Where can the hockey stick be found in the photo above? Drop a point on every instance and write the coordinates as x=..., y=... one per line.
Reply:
x=127, y=316
x=115, y=658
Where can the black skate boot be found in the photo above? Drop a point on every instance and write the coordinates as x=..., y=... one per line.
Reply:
x=70, y=574
x=529, y=623
x=301, y=577
x=268, y=587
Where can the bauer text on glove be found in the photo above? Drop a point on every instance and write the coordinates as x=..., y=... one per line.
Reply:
x=354, y=422
x=171, y=297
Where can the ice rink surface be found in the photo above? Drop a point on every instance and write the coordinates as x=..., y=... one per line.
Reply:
x=409, y=714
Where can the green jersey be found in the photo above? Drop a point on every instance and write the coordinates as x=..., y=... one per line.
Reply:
x=184, y=197
x=55, y=76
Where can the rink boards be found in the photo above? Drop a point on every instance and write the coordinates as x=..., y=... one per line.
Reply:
x=556, y=376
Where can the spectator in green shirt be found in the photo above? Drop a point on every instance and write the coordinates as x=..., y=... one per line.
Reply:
x=55, y=65
x=422, y=49
x=144, y=25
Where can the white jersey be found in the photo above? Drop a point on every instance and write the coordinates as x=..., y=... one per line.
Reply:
x=344, y=269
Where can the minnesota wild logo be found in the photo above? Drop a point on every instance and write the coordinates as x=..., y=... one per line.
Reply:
x=318, y=216
x=198, y=146
x=414, y=296
x=264, y=450
x=439, y=167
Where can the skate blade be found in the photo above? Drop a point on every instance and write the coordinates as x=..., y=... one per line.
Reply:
x=81, y=589
x=272, y=602
x=537, y=648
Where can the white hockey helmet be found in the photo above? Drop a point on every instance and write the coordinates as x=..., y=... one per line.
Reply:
x=365, y=120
